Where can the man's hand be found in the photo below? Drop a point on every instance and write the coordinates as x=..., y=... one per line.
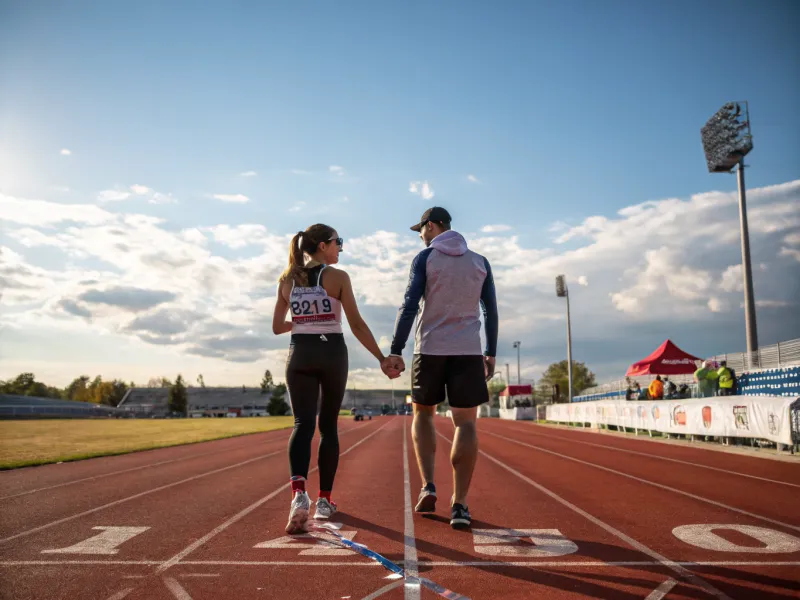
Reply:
x=488, y=366
x=392, y=366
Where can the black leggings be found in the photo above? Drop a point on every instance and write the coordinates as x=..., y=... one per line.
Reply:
x=315, y=364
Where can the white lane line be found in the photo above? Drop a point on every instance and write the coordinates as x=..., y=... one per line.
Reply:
x=675, y=460
x=380, y=592
x=121, y=594
x=412, y=590
x=14, y=563
x=145, y=493
x=134, y=576
x=139, y=495
x=199, y=575
x=653, y=483
x=672, y=565
x=424, y=563
x=156, y=464
x=52, y=487
x=662, y=590
x=176, y=589
x=243, y=513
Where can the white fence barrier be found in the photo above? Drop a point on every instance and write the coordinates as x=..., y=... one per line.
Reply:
x=761, y=417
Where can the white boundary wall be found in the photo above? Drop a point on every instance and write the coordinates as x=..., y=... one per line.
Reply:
x=762, y=417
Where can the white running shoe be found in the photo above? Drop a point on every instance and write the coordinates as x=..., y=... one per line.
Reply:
x=325, y=509
x=298, y=513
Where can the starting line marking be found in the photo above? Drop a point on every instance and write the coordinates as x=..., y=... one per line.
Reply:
x=476, y=563
x=309, y=544
x=102, y=543
x=513, y=542
x=703, y=536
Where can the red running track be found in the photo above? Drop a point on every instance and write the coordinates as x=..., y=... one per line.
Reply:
x=557, y=514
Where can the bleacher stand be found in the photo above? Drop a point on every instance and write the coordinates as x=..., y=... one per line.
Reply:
x=30, y=407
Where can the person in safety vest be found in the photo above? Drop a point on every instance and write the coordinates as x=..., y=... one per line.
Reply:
x=656, y=389
x=704, y=377
x=724, y=380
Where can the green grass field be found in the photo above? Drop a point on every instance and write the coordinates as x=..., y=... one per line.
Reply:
x=34, y=442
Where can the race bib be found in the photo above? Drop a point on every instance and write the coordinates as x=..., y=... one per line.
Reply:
x=310, y=305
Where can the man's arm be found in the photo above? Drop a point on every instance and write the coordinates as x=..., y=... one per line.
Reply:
x=408, y=311
x=489, y=306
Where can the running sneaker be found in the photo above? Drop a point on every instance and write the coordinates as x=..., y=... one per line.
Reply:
x=325, y=509
x=426, y=503
x=459, y=517
x=298, y=513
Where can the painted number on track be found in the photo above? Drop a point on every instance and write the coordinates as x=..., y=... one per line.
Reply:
x=522, y=542
x=102, y=543
x=704, y=536
x=309, y=545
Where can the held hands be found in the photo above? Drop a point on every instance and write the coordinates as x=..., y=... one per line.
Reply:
x=392, y=366
x=488, y=366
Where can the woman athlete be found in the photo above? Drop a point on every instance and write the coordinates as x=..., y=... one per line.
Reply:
x=316, y=293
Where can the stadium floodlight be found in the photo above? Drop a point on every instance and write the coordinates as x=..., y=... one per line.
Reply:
x=517, y=346
x=563, y=292
x=726, y=141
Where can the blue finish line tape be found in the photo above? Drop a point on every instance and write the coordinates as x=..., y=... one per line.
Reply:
x=396, y=569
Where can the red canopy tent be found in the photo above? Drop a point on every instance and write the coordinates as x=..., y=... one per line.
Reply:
x=667, y=359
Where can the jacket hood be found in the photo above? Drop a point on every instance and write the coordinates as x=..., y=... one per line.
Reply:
x=450, y=242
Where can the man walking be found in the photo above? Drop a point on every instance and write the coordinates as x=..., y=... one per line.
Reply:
x=452, y=281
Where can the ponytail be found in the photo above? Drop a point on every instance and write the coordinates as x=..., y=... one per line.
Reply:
x=304, y=242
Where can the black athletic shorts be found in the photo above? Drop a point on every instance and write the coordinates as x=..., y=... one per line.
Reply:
x=459, y=379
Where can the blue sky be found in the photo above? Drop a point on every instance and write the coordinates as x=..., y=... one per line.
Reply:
x=559, y=111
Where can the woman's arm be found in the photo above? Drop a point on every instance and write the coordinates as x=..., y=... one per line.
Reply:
x=279, y=323
x=357, y=324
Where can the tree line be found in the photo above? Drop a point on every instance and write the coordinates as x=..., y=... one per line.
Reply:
x=111, y=393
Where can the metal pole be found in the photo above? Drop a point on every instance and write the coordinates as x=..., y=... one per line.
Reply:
x=508, y=375
x=747, y=274
x=569, y=354
x=519, y=382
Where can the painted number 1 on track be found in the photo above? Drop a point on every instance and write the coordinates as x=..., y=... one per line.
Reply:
x=102, y=543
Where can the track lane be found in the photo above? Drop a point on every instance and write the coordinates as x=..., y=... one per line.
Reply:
x=25, y=514
x=645, y=512
x=509, y=569
x=366, y=472
x=725, y=488
x=28, y=480
x=759, y=467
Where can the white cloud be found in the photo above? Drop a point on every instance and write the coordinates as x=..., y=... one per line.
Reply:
x=731, y=280
x=495, y=228
x=344, y=199
x=140, y=190
x=65, y=152
x=40, y=213
x=422, y=189
x=297, y=206
x=238, y=236
x=336, y=170
x=112, y=195
x=235, y=198
x=198, y=306
x=582, y=280
x=473, y=179
x=248, y=174
x=716, y=305
x=159, y=198
x=790, y=252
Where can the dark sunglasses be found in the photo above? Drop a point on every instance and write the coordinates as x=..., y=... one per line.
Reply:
x=339, y=241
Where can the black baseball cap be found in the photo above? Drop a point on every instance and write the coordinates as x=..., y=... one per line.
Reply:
x=435, y=214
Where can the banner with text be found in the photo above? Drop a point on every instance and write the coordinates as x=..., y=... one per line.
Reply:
x=764, y=417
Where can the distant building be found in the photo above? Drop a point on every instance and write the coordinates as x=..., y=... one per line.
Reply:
x=240, y=402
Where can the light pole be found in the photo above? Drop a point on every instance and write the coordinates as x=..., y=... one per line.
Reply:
x=517, y=345
x=726, y=141
x=508, y=375
x=563, y=292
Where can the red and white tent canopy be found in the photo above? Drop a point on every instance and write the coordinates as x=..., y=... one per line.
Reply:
x=667, y=359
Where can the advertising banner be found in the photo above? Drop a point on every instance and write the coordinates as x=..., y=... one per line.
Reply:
x=763, y=417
